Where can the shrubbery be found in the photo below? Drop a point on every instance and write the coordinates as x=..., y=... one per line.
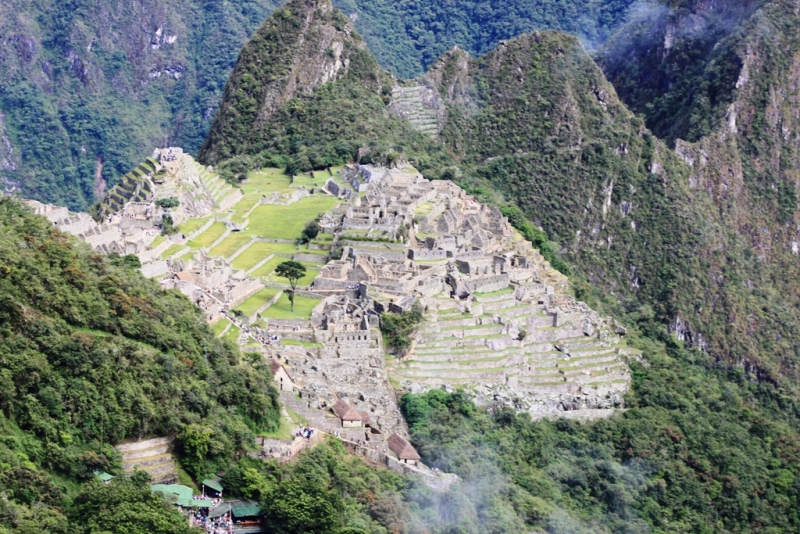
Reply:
x=399, y=329
x=92, y=354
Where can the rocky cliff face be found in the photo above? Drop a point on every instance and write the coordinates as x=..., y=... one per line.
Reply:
x=737, y=130
x=301, y=47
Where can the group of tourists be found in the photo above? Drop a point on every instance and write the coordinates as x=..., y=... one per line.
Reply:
x=212, y=525
x=305, y=432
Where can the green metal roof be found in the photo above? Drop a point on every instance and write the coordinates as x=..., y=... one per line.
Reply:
x=174, y=493
x=102, y=475
x=245, y=509
x=200, y=503
x=213, y=483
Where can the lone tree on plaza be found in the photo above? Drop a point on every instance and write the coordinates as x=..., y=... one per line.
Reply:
x=292, y=271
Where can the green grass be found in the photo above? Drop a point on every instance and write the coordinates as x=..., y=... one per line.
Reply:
x=284, y=433
x=266, y=181
x=174, y=249
x=232, y=335
x=320, y=177
x=158, y=240
x=298, y=343
x=219, y=326
x=296, y=417
x=259, y=251
x=268, y=268
x=208, y=237
x=243, y=207
x=287, y=222
x=497, y=293
x=305, y=250
x=251, y=305
x=280, y=310
x=185, y=480
x=191, y=225
x=231, y=244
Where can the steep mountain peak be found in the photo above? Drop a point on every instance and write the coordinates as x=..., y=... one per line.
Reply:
x=303, y=45
x=450, y=73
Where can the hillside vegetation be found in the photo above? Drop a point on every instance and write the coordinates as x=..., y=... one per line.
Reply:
x=88, y=88
x=93, y=354
x=307, y=94
x=409, y=35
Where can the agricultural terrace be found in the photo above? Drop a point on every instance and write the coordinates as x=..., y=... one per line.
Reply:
x=252, y=305
x=258, y=251
x=287, y=222
x=303, y=306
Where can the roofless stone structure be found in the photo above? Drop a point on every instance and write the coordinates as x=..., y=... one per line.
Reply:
x=499, y=320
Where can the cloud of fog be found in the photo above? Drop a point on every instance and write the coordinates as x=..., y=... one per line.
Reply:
x=485, y=500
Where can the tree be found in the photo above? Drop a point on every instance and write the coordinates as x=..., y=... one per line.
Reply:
x=311, y=231
x=125, y=505
x=292, y=271
x=296, y=506
x=168, y=203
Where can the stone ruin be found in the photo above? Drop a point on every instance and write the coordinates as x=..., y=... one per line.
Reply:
x=499, y=320
x=130, y=220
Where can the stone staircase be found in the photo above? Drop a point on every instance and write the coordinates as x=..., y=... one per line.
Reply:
x=421, y=106
x=153, y=456
x=460, y=348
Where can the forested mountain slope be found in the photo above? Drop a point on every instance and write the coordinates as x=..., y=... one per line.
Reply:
x=93, y=354
x=307, y=93
x=407, y=36
x=737, y=106
x=87, y=88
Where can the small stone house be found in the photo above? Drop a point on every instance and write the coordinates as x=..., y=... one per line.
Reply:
x=403, y=449
x=347, y=414
x=282, y=378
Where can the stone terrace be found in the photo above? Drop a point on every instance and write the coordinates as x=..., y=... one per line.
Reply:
x=498, y=316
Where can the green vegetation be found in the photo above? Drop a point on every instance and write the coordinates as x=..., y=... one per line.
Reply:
x=167, y=226
x=287, y=221
x=260, y=250
x=251, y=305
x=72, y=99
x=683, y=94
x=408, y=37
x=328, y=491
x=207, y=238
x=168, y=203
x=292, y=271
x=230, y=244
x=399, y=329
x=700, y=449
x=311, y=231
x=125, y=505
x=315, y=129
x=91, y=354
x=283, y=308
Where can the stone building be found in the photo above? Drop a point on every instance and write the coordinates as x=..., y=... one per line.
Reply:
x=281, y=376
x=348, y=416
x=404, y=451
